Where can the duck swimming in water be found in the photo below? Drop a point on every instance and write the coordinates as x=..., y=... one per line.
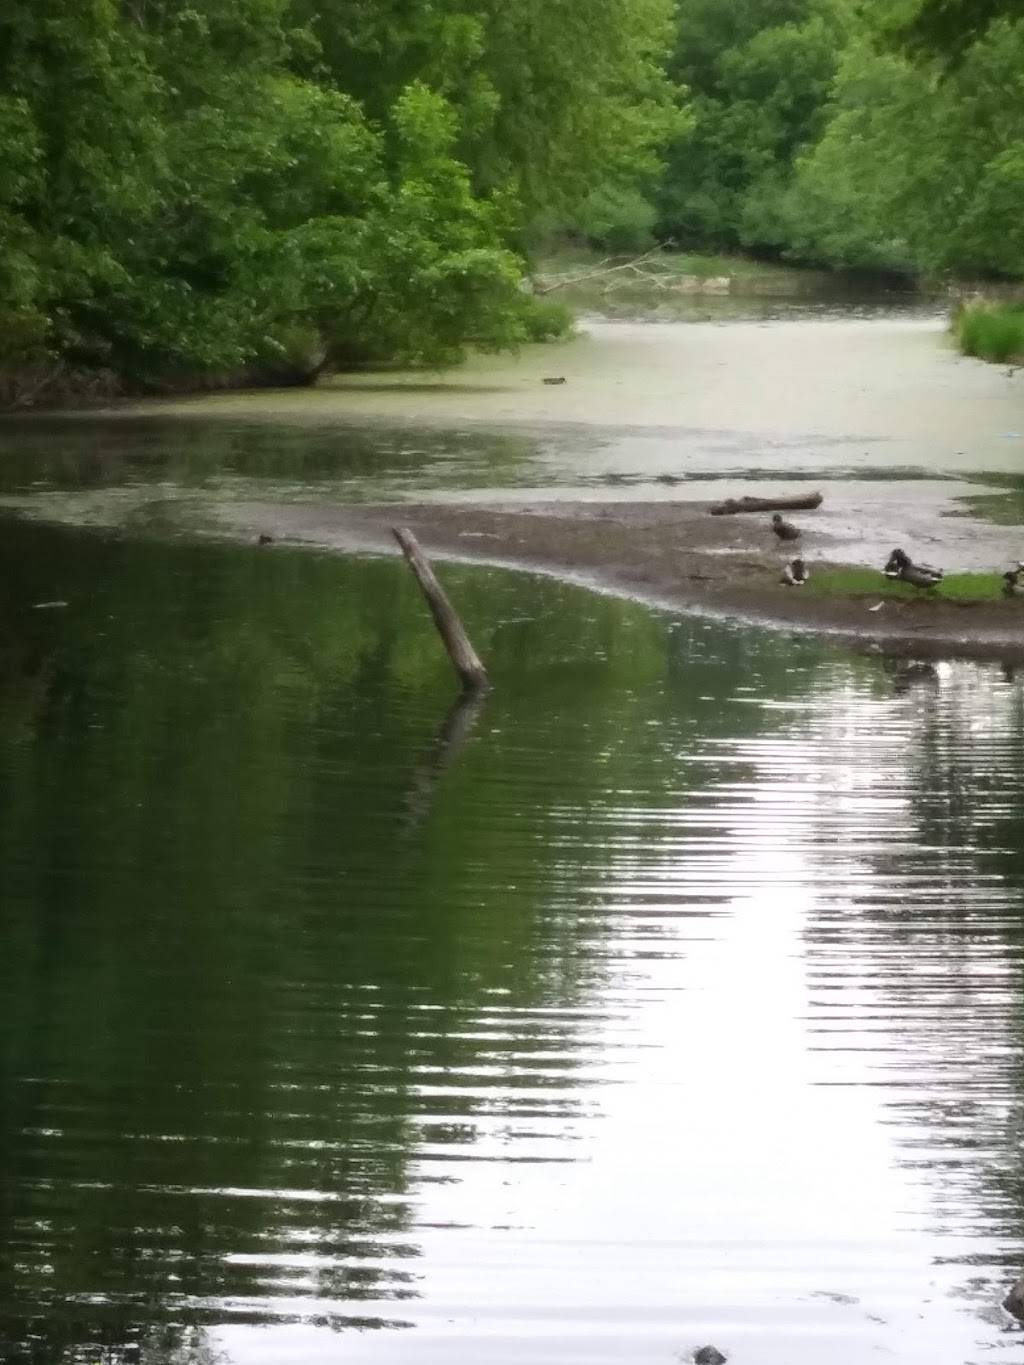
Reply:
x=900, y=565
x=794, y=575
x=785, y=530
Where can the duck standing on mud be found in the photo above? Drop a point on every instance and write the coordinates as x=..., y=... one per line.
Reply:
x=794, y=575
x=1012, y=586
x=900, y=565
x=785, y=530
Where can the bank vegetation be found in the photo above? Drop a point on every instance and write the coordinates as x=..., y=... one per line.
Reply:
x=207, y=192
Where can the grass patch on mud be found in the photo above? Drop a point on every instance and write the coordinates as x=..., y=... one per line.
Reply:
x=961, y=588
x=1004, y=508
x=991, y=331
x=1001, y=509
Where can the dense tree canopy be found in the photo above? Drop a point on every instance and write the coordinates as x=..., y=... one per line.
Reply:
x=196, y=187
x=945, y=28
x=213, y=190
x=759, y=78
x=853, y=134
x=921, y=164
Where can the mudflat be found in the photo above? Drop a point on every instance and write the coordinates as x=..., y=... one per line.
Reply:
x=607, y=477
x=672, y=554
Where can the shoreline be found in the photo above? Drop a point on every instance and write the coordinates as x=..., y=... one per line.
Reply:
x=670, y=555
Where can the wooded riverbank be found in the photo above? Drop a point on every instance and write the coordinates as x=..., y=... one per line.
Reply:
x=203, y=196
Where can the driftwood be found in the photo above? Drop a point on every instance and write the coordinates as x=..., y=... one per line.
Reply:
x=464, y=658
x=805, y=502
x=609, y=266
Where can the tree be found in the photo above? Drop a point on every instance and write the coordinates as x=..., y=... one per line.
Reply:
x=214, y=189
x=944, y=28
x=548, y=95
x=919, y=167
x=759, y=78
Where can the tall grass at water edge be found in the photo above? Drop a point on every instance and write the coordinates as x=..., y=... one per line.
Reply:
x=990, y=331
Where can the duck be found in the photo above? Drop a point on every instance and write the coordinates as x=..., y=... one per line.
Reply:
x=1012, y=586
x=264, y=539
x=893, y=564
x=785, y=530
x=900, y=565
x=794, y=575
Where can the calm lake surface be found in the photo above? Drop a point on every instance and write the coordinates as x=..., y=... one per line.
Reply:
x=674, y=995
x=912, y=443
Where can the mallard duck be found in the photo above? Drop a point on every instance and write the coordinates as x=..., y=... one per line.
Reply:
x=1012, y=586
x=794, y=575
x=785, y=530
x=900, y=565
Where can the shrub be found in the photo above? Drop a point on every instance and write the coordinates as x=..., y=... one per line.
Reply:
x=545, y=319
x=991, y=331
x=617, y=218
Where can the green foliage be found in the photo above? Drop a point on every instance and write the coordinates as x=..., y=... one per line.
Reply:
x=991, y=331
x=549, y=95
x=759, y=76
x=222, y=188
x=943, y=28
x=869, y=135
x=545, y=319
x=917, y=167
x=617, y=218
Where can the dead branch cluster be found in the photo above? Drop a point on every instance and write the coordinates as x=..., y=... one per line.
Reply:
x=653, y=269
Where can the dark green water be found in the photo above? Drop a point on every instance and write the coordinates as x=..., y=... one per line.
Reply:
x=672, y=996
x=135, y=469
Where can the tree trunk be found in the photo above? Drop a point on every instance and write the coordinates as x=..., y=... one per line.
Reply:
x=464, y=658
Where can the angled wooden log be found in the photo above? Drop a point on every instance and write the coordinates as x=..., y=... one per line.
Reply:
x=803, y=502
x=465, y=660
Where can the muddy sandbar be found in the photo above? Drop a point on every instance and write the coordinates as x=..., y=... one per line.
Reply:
x=672, y=554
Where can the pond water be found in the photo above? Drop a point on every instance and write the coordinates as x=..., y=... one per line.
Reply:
x=672, y=995
x=878, y=407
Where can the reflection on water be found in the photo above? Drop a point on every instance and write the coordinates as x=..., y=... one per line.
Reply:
x=650, y=410
x=164, y=459
x=671, y=996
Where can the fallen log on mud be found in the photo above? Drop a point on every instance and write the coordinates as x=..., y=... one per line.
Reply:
x=464, y=657
x=804, y=502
